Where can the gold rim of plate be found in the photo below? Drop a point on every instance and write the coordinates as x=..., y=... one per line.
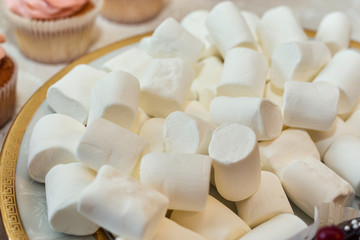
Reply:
x=9, y=154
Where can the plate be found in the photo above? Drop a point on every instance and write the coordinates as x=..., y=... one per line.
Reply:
x=22, y=202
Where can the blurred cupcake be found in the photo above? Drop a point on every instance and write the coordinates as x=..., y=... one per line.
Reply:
x=53, y=31
x=8, y=74
x=131, y=11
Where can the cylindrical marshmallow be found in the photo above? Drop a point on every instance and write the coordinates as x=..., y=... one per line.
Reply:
x=197, y=109
x=343, y=72
x=237, y=166
x=309, y=183
x=252, y=20
x=335, y=31
x=152, y=131
x=71, y=94
x=261, y=115
x=216, y=221
x=298, y=61
x=165, y=86
x=353, y=122
x=273, y=93
x=53, y=141
x=184, y=133
x=63, y=185
x=269, y=201
x=343, y=157
x=279, y=25
x=310, y=105
x=183, y=178
x=244, y=74
x=228, y=28
x=141, y=118
x=115, y=97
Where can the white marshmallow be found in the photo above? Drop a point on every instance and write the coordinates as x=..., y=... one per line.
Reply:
x=282, y=226
x=244, y=74
x=343, y=156
x=71, y=94
x=106, y=143
x=237, y=167
x=273, y=93
x=261, y=115
x=141, y=118
x=269, y=201
x=171, y=40
x=228, y=28
x=63, y=185
x=298, y=61
x=279, y=25
x=152, y=131
x=165, y=85
x=183, y=178
x=252, y=20
x=198, y=110
x=115, y=97
x=216, y=221
x=122, y=205
x=206, y=95
x=309, y=183
x=171, y=230
x=335, y=30
x=353, y=122
x=184, y=133
x=291, y=145
x=343, y=72
x=53, y=141
x=310, y=105
x=133, y=61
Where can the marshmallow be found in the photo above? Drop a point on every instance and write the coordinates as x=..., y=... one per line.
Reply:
x=247, y=80
x=115, y=98
x=353, y=122
x=292, y=144
x=309, y=183
x=184, y=133
x=171, y=230
x=216, y=221
x=122, y=205
x=237, y=167
x=152, y=131
x=343, y=72
x=282, y=226
x=106, y=143
x=71, y=94
x=206, y=95
x=298, y=61
x=171, y=40
x=335, y=30
x=182, y=177
x=141, y=118
x=273, y=93
x=228, y=28
x=269, y=201
x=279, y=25
x=198, y=110
x=133, y=61
x=343, y=157
x=261, y=115
x=252, y=20
x=310, y=105
x=63, y=185
x=53, y=141
x=164, y=86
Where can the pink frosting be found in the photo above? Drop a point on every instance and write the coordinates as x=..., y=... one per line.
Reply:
x=45, y=9
x=2, y=51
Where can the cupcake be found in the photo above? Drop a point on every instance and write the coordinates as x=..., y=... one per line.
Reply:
x=53, y=31
x=8, y=73
x=131, y=11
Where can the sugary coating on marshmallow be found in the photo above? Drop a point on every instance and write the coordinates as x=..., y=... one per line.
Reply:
x=247, y=80
x=152, y=131
x=63, y=185
x=236, y=161
x=123, y=205
x=216, y=221
x=261, y=115
x=184, y=133
x=53, y=141
x=197, y=109
x=228, y=28
x=71, y=94
x=106, y=143
x=267, y=202
x=115, y=97
x=309, y=183
x=165, y=85
x=184, y=178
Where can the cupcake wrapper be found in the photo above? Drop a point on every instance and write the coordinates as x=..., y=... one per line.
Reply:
x=8, y=98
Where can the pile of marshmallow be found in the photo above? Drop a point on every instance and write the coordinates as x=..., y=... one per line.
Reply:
x=248, y=104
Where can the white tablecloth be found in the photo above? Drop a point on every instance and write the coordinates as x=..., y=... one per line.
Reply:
x=32, y=75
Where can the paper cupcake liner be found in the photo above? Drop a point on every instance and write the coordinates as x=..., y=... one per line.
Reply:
x=54, y=41
x=8, y=98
